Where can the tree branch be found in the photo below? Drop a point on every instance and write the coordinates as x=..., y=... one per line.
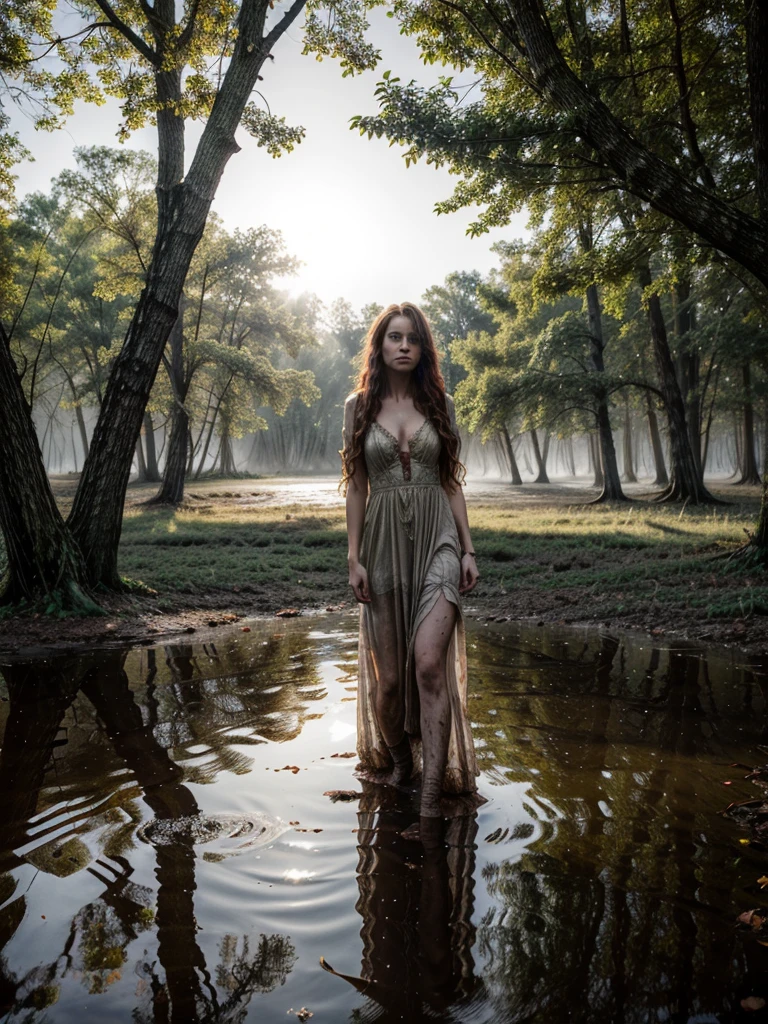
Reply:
x=128, y=33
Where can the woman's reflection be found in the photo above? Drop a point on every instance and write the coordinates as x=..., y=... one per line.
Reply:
x=416, y=902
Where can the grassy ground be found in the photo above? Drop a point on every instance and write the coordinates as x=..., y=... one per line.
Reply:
x=249, y=547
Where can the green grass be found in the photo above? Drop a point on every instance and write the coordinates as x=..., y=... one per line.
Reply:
x=537, y=554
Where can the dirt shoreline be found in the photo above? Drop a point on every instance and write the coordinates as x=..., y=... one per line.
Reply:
x=546, y=555
x=134, y=621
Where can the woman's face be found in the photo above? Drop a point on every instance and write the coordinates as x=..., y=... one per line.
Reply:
x=400, y=347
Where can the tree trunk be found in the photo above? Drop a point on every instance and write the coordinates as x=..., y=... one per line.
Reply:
x=596, y=464
x=689, y=363
x=142, y=466
x=662, y=478
x=226, y=457
x=629, y=470
x=172, y=489
x=43, y=561
x=541, y=465
x=184, y=202
x=83, y=432
x=610, y=484
x=513, y=467
x=738, y=437
x=686, y=483
x=153, y=473
x=749, y=470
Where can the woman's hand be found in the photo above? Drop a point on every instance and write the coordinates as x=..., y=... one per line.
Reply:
x=358, y=580
x=469, y=574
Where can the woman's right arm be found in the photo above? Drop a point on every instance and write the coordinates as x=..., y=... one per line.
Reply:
x=357, y=496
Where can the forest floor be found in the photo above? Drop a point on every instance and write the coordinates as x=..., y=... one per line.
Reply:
x=262, y=547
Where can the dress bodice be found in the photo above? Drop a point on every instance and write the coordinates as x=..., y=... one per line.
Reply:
x=387, y=469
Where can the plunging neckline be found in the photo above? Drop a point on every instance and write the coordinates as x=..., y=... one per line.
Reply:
x=409, y=441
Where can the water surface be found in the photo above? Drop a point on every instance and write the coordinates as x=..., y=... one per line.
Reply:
x=167, y=852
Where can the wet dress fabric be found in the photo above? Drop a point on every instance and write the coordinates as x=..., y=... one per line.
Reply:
x=410, y=549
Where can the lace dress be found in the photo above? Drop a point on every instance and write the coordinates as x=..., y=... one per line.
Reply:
x=410, y=549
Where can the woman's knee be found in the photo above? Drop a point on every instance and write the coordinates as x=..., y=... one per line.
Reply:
x=430, y=672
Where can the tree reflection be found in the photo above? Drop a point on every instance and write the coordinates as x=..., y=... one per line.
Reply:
x=109, y=750
x=621, y=908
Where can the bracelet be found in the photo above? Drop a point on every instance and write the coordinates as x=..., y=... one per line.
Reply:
x=468, y=553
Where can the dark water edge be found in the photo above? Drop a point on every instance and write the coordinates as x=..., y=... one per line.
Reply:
x=161, y=859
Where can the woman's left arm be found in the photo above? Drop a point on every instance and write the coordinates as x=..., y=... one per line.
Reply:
x=469, y=573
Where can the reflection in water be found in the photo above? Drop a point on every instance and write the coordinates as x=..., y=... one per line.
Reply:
x=416, y=902
x=600, y=882
x=94, y=950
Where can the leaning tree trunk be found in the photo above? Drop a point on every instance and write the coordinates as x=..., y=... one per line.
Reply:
x=43, y=561
x=541, y=465
x=658, y=182
x=513, y=467
x=609, y=481
x=686, y=483
x=662, y=478
x=184, y=201
x=749, y=471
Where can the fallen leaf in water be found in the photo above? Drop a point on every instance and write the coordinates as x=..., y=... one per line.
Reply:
x=762, y=881
x=744, y=842
x=752, y=1003
x=289, y=768
x=245, y=629
x=342, y=794
x=349, y=753
x=303, y=1014
x=294, y=822
x=728, y=783
x=753, y=918
x=287, y=613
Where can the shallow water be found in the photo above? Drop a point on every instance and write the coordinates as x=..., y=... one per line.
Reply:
x=168, y=854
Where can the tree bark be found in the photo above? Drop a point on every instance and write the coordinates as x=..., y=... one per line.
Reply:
x=640, y=171
x=610, y=483
x=513, y=467
x=183, y=206
x=43, y=561
x=629, y=469
x=749, y=471
x=662, y=477
x=541, y=465
x=153, y=473
x=596, y=462
x=689, y=363
x=686, y=483
x=142, y=466
x=172, y=489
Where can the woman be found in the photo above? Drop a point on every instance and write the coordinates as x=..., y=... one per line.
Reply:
x=410, y=557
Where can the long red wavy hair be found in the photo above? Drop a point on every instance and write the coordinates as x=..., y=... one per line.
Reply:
x=428, y=395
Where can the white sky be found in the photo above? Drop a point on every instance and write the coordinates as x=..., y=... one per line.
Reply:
x=362, y=223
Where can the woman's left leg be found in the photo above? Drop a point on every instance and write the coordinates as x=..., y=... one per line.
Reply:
x=430, y=651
